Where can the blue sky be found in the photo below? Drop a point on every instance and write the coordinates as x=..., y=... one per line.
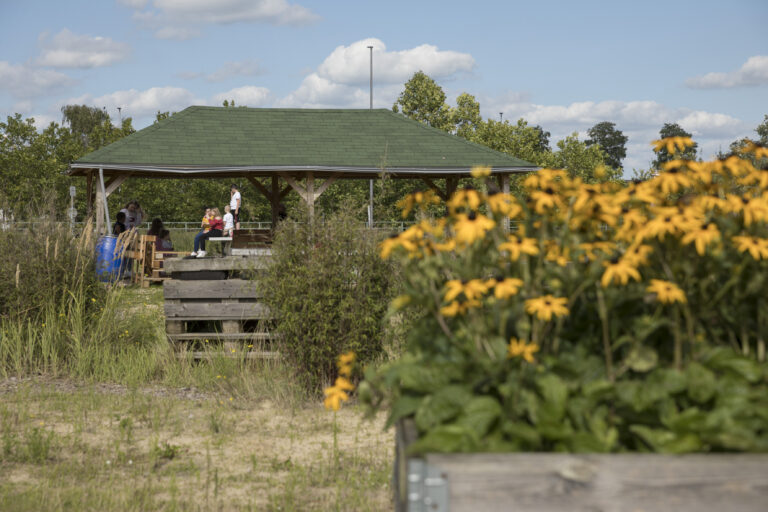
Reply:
x=563, y=65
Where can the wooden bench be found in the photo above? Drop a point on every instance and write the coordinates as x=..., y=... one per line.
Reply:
x=247, y=242
x=225, y=243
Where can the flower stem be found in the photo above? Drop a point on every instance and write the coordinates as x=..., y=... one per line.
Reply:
x=678, y=339
x=603, y=312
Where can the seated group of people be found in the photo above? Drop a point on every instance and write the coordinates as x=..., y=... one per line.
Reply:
x=213, y=225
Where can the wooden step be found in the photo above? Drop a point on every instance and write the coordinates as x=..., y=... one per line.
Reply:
x=219, y=336
x=215, y=263
x=208, y=355
x=224, y=289
x=217, y=311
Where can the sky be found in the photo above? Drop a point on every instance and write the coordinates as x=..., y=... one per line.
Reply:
x=563, y=65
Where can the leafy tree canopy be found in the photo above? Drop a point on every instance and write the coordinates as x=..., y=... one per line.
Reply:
x=423, y=100
x=611, y=141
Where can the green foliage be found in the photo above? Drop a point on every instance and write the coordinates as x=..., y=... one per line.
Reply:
x=329, y=290
x=611, y=141
x=580, y=160
x=673, y=130
x=423, y=100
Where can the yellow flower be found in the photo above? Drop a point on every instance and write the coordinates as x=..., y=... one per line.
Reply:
x=400, y=302
x=666, y=291
x=472, y=227
x=757, y=247
x=480, y=171
x=333, y=398
x=756, y=149
x=516, y=246
x=459, y=308
x=546, y=306
x=672, y=144
x=755, y=209
x=343, y=384
x=520, y=348
x=620, y=271
x=503, y=204
x=393, y=242
x=421, y=198
x=637, y=254
x=467, y=197
x=671, y=180
x=660, y=226
x=472, y=289
x=556, y=253
x=546, y=199
x=346, y=359
x=505, y=287
x=702, y=237
x=447, y=246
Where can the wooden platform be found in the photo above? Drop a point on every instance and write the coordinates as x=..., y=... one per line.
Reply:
x=220, y=313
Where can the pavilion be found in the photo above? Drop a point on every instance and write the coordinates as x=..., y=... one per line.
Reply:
x=297, y=146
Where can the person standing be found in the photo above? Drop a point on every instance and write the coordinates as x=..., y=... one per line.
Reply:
x=133, y=214
x=234, y=204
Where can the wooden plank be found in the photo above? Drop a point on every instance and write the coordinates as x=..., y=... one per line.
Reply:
x=228, y=355
x=252, y=251
x=222, y=289
x=549, y=482
x=209, y=311
x=224, y=263
x=220, y=336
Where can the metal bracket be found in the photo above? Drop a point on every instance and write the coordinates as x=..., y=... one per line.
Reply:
x=427, y=487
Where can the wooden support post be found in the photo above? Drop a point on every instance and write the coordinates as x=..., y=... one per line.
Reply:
x=99, y=212
x=89, y=194
x=431, y=184
x=450, y=185
x=275, y=201
x=311, y=194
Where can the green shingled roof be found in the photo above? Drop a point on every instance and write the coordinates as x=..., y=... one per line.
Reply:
x=301, y=139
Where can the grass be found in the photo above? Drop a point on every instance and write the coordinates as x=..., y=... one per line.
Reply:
x=96, y=413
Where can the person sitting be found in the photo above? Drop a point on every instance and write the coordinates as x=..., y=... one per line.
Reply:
x=217, y=224
x=229, y=221
x=119, y=226
x=205, y=226
x=163, y=243
x=156, y=228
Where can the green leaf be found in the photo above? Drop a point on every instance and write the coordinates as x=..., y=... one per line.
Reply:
x=701, y=382
x=479, y=414
x=665, y=441
x=440, y=407
x=553, y=393
x=727, y=360
x=403, y=407
x=519, y=431
x=445, y=439
x=642, y=358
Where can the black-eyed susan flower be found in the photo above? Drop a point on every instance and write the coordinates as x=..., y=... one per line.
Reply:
x=673, y=144
x=757, y=247
x=547, y=306
x=754, y=209
x=545, y=200
x=420, y=198
x=703, y=236
x=459, y=308
x=333, y=398
x=757, y=150
x=503, y=204
x=504, y=287
x=472, y=227
x=557, y=254
x=666, y=291
x=637, y=254
x=472, y=289
x=516, y=246
x=466, y=197
x=671, y=180
x=619, y=271
x=519, y=348
x=393, y=242
x=480, y=171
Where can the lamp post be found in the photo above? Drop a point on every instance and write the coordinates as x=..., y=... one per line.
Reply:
x=370, y=107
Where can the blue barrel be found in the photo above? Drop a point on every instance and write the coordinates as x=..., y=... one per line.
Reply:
x=107, y=263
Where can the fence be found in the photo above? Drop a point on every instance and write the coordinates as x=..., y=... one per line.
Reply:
x=8, y=224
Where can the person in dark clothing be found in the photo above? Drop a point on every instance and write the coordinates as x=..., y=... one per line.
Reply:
x=119, y=226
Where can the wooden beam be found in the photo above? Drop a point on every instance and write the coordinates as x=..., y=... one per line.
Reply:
x=115, y=182
x=431, y=184
x=261, y=188
x=285, y=191
x=322, y=188
x=274, y=201
x=311, y=194
x=89, y=194
x=505, y=190
x=295, y=185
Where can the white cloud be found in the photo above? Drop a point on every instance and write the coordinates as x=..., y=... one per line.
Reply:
x=341, y=80
x=24, y=81
x=180, y=19
x=753, y=72
x=249, y=96
x=141, y=104
x=639, y=120
x=69, y=50
x=226, y=71
x=351, y=64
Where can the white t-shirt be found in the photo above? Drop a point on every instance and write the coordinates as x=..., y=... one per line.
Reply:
x=132, y=219
x=233, y=201
x=229, y=221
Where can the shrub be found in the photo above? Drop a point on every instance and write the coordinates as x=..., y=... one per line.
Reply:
x=329, y=291
x=612, y=318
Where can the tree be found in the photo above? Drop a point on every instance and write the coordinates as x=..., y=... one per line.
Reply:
x=579, y=159
x=543, y=144
x=423, y=100
x=611, y=141
x=82, y=119
x=762, y=131
x=466, y=116
x=519, y=140
x=673, y=130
